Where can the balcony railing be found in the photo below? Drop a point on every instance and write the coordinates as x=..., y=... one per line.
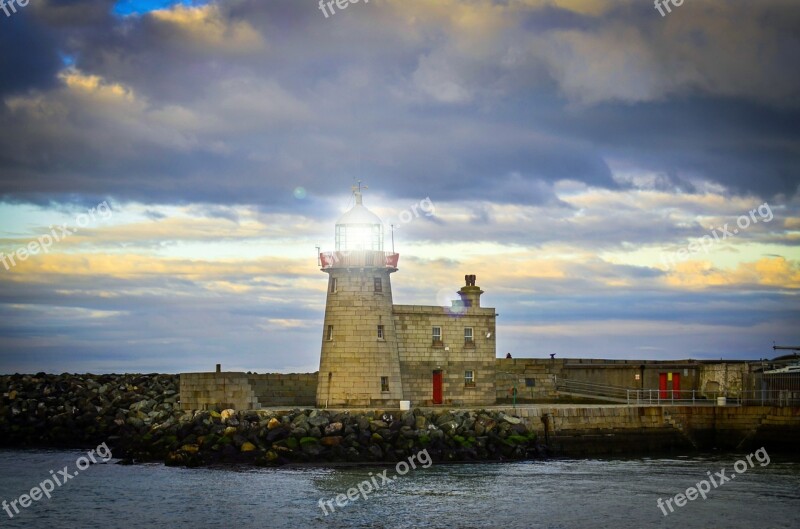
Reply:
x=358, y=259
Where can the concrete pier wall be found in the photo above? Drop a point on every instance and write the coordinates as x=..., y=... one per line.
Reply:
x=534, y=378
x=577, y=431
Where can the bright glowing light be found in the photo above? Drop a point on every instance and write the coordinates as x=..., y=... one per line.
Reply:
x=359, y=237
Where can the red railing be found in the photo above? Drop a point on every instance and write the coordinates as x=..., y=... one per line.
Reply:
x=358, y=259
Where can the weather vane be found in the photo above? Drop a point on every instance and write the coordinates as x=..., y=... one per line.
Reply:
x=357, y=191
x=358, y=187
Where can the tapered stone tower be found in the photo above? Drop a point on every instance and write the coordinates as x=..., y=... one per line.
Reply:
x=359, y=361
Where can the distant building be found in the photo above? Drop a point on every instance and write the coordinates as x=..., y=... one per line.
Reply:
x=376, y=353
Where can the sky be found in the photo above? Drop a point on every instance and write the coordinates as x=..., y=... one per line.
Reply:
x=623, y=184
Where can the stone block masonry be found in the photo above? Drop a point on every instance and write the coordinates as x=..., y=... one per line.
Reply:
x=277, y=389
x=359, y=363
x=494, y=378
x=243, y=391
x=452, y=355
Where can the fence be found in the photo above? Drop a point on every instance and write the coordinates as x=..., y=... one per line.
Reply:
x=759, y=390
x=766, y=389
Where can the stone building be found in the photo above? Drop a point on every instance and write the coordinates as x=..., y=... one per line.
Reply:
x=376, y=353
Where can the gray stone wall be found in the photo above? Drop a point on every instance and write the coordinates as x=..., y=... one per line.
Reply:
x=623, y=373
x=495, y=378
x=535, y=377
x=242, y=391
x=722, y=378
x=279, y=389
x=204, y=391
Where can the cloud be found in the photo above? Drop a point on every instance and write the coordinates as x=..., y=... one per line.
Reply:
x=566, y=145
x=777, y=272
x=447, y=95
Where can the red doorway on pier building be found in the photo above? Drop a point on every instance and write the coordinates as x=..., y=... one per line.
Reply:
x=664, y=380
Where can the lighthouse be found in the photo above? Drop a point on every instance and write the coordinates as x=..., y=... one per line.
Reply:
x=359, y=360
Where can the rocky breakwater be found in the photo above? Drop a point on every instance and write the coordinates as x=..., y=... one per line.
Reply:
x=84, y=410
x=139, y=418
x=274, y=438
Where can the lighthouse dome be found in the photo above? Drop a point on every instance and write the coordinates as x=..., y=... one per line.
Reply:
x=358, y=214
x=359, y=229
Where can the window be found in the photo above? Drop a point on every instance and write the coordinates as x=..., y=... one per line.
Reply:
x=384, y=383
x=380, y=332
x=329, y=336
x=378, y=284
x=437, y=335
x=467, y=334
x=333, y=284
x=469, y=378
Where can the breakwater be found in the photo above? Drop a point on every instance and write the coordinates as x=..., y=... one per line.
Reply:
x=266, y=438
x=83, y=410
x=140, y=418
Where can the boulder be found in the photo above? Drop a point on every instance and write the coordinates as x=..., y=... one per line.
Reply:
x=333, y=428
x=318, y=421
x=334, y=440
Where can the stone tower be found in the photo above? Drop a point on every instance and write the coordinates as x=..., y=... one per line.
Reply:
x=359, y=361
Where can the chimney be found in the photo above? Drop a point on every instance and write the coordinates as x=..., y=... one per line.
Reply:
x=470, y=294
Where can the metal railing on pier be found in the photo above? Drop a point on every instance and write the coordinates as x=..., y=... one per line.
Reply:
x=683, y=397
x=579, y=387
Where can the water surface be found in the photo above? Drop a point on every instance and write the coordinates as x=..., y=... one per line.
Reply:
x=593, y=493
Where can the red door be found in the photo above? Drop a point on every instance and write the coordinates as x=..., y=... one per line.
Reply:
x=676, y=385
x=437, y=387
x=662, y=386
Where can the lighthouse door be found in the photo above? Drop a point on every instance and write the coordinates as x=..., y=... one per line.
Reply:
x=437, y=387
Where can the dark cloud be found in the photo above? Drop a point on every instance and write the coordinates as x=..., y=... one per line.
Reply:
x=30, y=57
x=550, y=17
x=283, y=98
